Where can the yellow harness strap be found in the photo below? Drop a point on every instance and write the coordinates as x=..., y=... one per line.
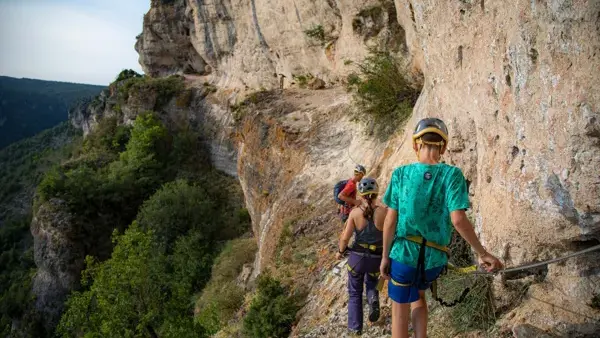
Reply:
x=419, y=240
x=399, y=284
x=369, y=247
x=466, y=269
x=372, y=274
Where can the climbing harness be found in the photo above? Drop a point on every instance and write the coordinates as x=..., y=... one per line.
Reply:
x=363, y=254
x=371, y=247
x=472, y=269
x=366, y=242
x=423, y=243
x=468, y=270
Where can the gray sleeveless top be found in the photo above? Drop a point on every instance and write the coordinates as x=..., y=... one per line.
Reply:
x=369, y=235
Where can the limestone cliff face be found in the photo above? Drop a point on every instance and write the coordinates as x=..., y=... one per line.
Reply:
x=517, y=85
x=212, y=119
x=292, y=148
x=264, y=43
x=59, y=256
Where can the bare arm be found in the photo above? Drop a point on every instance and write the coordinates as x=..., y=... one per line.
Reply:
x=348, y=199
x=389, y=229
x=465, y=229
x=347, y=234
x=380, y=213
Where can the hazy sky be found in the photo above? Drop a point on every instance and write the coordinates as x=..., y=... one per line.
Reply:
x=86, y=41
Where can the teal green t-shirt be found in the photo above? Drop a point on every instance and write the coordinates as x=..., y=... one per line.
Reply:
x=424, y=196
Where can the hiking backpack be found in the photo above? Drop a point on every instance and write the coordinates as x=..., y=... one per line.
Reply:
x=339, y=186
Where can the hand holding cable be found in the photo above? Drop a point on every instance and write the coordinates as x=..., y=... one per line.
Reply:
x=489, y=262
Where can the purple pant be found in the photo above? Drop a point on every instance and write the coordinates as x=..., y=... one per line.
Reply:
x=365, y=269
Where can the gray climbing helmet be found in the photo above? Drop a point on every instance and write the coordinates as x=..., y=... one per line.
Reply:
x=431, y=125
x=367, y=186
x=360, y=169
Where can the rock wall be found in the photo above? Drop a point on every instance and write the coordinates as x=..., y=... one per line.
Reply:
x=293, y=147
x=59, y=256
x=517, y=84
x=264, y=43
x=211, y=117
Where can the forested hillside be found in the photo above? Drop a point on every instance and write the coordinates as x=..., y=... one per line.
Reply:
x=139, y=208
x=22, y=167
x=28, y=106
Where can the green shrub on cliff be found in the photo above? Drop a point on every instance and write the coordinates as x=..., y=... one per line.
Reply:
x=127, y=74
x=164, y=89
x=175, y=209
x=117, y=188
x=272, y=311
x=108, y=137
x=158, y=264
x=383, y=91
x=104, y=190
x=222, y=297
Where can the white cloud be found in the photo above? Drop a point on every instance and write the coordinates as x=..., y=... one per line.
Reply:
x=66, y=41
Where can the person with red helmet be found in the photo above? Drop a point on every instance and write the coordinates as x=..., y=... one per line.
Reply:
x=347, y=195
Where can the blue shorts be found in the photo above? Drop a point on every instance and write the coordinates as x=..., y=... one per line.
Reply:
x=405, y=274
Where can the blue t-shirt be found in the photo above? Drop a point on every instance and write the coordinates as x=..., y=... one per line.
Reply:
x=424, y=196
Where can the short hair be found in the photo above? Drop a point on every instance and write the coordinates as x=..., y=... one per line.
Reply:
x=432, y=137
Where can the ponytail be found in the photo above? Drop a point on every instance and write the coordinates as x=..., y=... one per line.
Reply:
x=368, y=212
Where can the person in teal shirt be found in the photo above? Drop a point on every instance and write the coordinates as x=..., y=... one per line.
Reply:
x=425, y=200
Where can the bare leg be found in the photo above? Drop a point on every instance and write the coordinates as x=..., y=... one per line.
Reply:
x=419, y=316
x=400, y=318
